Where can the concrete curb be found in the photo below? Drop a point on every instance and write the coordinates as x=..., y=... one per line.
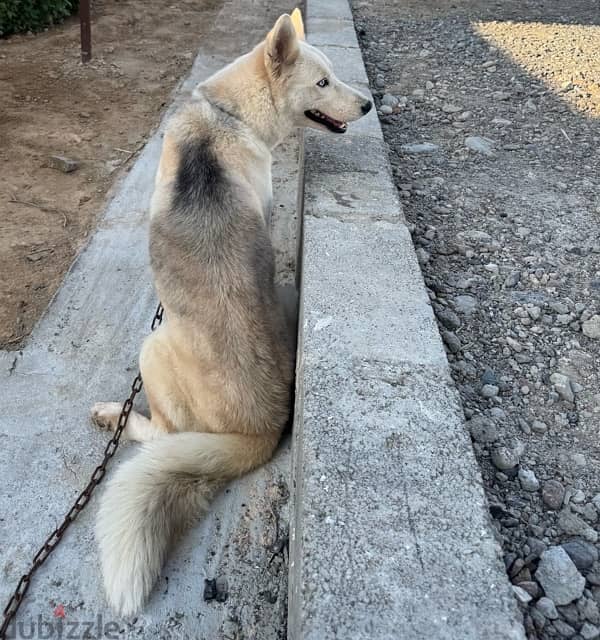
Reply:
x=390, y=535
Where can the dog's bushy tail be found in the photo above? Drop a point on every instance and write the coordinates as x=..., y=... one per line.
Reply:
x=157, y=494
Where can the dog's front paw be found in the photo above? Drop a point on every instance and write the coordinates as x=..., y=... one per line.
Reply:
x=105, y=415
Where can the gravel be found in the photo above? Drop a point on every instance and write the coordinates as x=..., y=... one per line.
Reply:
x=494, y=150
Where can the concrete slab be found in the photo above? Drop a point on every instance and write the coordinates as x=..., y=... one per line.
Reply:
x=85, y=349
x=390, y=535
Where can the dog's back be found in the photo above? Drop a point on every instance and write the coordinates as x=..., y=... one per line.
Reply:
x=214, y=269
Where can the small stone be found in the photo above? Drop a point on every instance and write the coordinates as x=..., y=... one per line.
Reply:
x=589, y=631
x=591, y=328
x=578, y=460
x=62, y=163
x=582, y=553
x=419, y=148
x=389, y=100
x=489, y=377
x=559, y=577
x=538, y=426
x=489, y=390
x=528, y=480
x=465, y=304
x=532, y=588
x=522, y=596
x=562, y=386
x=571, y=524
x=505, y=458
x=553, y=494
x=565, y=630
x=590, y=611
x=480, y=145
x=451, y=108
x=512, y=279
x=482, y=429
x=386, y=110
x=448, y=318
x=547, y=608
x=452, y=341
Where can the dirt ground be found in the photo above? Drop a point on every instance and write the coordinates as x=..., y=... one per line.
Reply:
x=491, y=111
x=98, y=114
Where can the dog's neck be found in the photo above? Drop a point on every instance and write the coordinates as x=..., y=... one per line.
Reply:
x=243, y=91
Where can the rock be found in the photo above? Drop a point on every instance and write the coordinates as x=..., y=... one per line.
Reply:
x=451, y=340
x=590, y=611
x=489, y=390
x=522, y=596
x=565, y=630
x=385, y=110
x=451, y=108
x=553, y=494
x=539, y=427
x=591, y=328
x=578, y=460
x=589, y=513
x=581, y=552
x=532, y=588
x=480, y=145
x=589, y=631
x=419, y=148
x=489, y=377
x=512, y=280
x=571, y=524
x=547, y=608
x=562, y=386
x=596, y=501
x=448, y=318
x=528, y=480
x=62, y=163
x=559, y=576
x=465, y=305
x=389, y=100
x=505, y=458
x=482, y=429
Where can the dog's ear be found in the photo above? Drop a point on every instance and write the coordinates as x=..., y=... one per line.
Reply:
x=298, y=23
x=282, y=46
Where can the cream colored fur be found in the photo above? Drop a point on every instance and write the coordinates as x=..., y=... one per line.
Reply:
x=218, y=372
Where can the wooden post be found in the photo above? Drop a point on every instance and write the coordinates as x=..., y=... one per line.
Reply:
x=86, y=30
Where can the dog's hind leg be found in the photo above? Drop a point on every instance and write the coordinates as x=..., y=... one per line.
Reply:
x=139, y=428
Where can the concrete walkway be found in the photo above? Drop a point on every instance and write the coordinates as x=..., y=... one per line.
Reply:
x=85, y=349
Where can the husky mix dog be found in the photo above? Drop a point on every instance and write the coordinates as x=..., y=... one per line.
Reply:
x=218, y=372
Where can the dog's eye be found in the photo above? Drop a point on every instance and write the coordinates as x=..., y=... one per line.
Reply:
x=323, y=82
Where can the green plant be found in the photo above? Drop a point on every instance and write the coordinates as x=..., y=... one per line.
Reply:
x=32, y=15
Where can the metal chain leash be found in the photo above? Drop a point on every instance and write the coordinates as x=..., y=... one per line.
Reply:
x=55, y=537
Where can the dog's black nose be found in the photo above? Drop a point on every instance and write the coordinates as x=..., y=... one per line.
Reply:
x=366, y=107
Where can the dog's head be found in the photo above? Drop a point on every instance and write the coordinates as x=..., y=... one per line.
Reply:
x=303, y=83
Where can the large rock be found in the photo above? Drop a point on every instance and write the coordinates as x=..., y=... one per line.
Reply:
x=559, y=576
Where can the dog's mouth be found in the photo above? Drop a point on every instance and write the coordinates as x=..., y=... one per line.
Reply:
x=322, y=118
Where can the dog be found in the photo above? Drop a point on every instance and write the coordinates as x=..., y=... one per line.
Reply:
x=218, y=372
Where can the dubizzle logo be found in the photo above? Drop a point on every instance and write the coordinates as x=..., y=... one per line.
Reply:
x=42, y=628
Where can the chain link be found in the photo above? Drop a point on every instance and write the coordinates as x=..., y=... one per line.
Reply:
x=84, y=497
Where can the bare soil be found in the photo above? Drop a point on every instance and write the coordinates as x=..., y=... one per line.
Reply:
x=98, y=114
